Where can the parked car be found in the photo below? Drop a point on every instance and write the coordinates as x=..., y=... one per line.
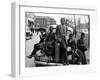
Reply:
x=28, y=35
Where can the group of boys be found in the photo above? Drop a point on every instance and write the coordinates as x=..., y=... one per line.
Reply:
x=66, y=46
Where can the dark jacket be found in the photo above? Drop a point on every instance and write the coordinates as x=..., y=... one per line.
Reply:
x=81, y=45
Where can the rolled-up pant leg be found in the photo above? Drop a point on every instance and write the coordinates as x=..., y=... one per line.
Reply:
x=36, y=48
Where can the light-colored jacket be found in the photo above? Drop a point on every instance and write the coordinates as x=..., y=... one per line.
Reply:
x=61, y=32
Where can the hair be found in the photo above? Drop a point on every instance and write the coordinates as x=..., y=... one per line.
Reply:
x=82, y=34
x=62, y=18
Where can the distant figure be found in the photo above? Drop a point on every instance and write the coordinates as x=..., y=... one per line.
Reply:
x=61, y=33
x=82, y=47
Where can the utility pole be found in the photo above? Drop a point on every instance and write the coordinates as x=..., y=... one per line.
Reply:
x=88, y=31
x=75, y=24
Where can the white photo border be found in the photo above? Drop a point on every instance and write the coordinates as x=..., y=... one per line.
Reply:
x=21, y=70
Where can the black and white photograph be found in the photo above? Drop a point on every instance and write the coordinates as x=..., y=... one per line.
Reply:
x=56, y=39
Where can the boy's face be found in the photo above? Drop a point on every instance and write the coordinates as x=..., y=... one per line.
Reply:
x=82, y=36
x=62, y=20
x=70, y=36
x=51, y=29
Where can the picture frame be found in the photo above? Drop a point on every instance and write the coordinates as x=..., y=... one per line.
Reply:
x=18, y=68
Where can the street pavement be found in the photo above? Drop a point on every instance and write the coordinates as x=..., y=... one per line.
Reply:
x=29, y=48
